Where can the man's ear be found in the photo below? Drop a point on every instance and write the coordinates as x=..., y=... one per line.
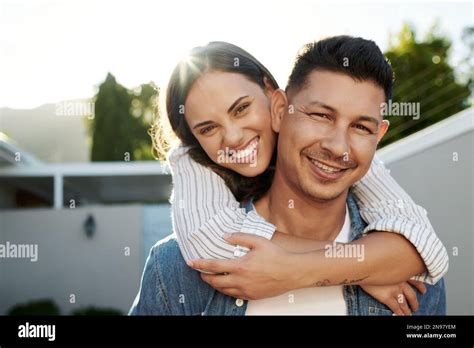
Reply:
x=279, y=106
x=383, y=129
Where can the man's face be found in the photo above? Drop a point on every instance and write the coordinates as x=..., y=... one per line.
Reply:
x=329, y=134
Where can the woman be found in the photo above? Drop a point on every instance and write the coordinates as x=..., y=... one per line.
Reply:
x=213, y=171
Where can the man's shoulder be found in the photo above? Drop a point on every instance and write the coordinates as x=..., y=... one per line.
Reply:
x=357, y=223
x=167, y=249
x=180, y=283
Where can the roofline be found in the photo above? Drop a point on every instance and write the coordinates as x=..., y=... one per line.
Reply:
x=449, y=128
x=8, y=151
x=87, y=169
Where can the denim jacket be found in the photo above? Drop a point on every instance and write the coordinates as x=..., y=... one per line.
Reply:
x=170, y=287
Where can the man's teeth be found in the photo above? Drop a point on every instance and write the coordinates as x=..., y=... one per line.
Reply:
x=325, y=168
x=247, y=151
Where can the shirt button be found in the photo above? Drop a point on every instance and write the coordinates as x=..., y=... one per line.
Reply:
x=239, y=302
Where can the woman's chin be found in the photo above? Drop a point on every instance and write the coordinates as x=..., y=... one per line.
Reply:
x=249, y=169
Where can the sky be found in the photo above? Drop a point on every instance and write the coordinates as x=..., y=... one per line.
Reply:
x=53, y=50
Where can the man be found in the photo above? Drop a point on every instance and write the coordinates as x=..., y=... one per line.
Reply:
x=329, y=123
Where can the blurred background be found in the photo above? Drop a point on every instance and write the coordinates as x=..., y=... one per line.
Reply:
x=78, y=84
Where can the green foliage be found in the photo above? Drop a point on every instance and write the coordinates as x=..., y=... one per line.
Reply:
x=48, y=307
x=88, y=311
x=122, y=119
x=37, y=307
x=423, y=75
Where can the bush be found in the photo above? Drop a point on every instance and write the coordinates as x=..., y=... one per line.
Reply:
x=48, y=307
x=96, y=311
x=37, y=307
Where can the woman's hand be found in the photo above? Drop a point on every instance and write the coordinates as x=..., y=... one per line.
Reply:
x=266, y=271
x=400, y=298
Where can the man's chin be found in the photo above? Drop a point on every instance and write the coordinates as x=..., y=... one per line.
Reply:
x=325, y=195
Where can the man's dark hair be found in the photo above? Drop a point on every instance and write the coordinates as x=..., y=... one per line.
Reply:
x=356, y=57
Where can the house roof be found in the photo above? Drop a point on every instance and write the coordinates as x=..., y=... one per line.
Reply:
x=440, y=132
x=9, y=151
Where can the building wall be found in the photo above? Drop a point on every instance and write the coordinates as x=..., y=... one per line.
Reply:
x=445, y=188
x=96, y=270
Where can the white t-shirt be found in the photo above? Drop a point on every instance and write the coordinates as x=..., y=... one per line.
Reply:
x=308, y=301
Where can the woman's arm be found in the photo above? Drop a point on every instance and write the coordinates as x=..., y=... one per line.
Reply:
x=385, y=206
x=269, y=269
x=203, y=209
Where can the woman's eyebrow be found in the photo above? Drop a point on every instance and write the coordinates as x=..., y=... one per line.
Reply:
x=234, y=104
x=204, y=123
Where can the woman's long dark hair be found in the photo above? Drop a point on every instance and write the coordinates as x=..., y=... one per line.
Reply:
x=215, y=56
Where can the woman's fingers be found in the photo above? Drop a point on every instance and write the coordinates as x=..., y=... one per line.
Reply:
x=212, y=266
x=420, y=286
x=219, y=280
x=403, y=304
x=410, y=296
x=243, y=239
x=394, y=306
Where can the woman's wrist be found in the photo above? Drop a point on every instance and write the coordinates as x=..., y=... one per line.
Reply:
x=304, y=268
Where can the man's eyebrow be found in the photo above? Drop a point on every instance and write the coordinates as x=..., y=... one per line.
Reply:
x=321, y=104
x=204, y=123
x=369, y=119
x=235, y=103
x=361, y=118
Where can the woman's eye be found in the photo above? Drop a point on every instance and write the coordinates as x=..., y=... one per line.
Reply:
x=206, y=129
x=241, y=108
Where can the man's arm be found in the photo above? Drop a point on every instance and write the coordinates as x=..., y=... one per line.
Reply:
x=150, y=300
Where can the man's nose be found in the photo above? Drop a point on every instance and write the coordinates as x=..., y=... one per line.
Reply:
x=336, y=142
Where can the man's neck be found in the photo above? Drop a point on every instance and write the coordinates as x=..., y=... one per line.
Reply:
x=294, y=213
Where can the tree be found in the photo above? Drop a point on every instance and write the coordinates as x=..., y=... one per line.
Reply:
x=122, y=118
x=143, y=108
x=423, y=75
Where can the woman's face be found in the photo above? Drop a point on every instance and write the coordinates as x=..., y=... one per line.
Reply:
x=230, y=117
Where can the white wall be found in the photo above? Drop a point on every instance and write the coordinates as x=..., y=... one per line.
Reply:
x=444, y=187
x=96, y=270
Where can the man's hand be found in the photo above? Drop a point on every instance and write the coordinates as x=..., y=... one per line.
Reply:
x=400, y=298
x=266, y=271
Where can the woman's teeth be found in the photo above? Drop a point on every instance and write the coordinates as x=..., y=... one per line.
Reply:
x=249, y=150
x=326, y=168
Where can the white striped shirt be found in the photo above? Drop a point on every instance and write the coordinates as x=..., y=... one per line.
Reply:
x=204, y=208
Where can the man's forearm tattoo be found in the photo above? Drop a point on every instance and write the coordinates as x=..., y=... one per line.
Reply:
x=327, y=282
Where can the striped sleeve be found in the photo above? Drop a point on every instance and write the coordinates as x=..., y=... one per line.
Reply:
x=203, y=208
x=385, y=206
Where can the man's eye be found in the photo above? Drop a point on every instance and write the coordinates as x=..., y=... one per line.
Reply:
x=363, y=128
x=319, y=114
x=241, y=108
x=206, y=129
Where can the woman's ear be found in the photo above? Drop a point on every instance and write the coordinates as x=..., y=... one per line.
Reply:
x=279, y=106
x=269, y=89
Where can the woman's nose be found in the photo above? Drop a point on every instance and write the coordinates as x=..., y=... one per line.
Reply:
x=233, y=136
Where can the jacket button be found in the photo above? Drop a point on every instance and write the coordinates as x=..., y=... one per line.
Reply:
x=239, y=302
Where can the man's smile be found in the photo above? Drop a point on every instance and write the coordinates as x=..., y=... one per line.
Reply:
x=324, y=171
